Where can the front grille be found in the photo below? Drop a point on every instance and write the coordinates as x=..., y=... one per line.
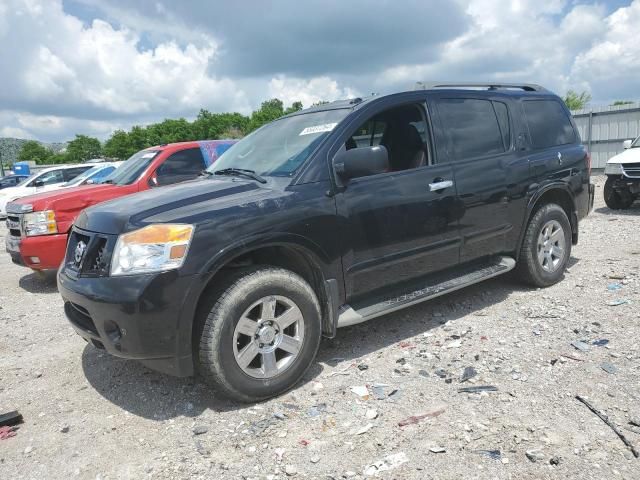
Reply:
x=80, y=317
x=631, y=169
x=88, y=253
x=14, y=224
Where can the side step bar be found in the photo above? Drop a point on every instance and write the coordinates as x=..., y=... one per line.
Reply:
x=351, y=316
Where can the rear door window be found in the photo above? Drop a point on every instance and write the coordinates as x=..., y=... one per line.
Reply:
x=471, y=128
x=549, y=123
x=71, y=173
x=183, y=165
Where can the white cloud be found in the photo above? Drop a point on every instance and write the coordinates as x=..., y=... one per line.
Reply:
x=307, y=91
x=15, y=133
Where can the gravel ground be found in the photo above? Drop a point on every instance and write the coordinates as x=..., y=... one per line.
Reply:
x=89, y=415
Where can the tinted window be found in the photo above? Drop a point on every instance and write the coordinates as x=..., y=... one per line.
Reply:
x=71, y=173
x=471, y=128
x=549, y=124
x=183, y=162
x=369, y=134
x=503, y=120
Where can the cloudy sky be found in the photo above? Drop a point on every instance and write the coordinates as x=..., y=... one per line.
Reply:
x=91, y=66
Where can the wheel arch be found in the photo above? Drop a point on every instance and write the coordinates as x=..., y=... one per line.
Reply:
x=559, y=194
x=291, y=252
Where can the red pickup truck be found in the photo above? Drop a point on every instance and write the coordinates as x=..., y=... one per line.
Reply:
x=38, y=224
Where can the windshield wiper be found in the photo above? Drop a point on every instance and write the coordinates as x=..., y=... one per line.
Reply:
x=240, y=172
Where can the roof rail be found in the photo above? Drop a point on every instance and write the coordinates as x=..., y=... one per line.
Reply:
x=527, y=87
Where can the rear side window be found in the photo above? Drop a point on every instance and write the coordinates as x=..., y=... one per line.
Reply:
x=71, y=173
x=549, y=124
x=471, y=128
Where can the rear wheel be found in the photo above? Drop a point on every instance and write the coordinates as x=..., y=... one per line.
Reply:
x=261, y=334
x=546, y=248
x=616, y=199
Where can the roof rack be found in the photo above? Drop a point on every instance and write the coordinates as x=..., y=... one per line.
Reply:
x=527, y=87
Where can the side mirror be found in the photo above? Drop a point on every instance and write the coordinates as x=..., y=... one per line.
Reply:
x=90, y=182
x=153, y=181
x=627, y=144
x=361, y=162
x=38, y=183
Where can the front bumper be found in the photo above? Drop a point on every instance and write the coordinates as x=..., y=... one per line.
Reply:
x=140, y=317
x=44, y=252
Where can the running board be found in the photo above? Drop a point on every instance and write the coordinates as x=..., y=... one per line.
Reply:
x=349, y=315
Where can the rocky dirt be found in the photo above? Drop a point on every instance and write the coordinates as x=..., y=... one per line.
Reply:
x=383, y=398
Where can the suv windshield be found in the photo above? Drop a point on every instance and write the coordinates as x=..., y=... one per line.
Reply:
x=279, y=148
x=83, y=176
x=130, y=171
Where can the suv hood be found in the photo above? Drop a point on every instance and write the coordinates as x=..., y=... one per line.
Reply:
x=630, y=155
x=182, y=203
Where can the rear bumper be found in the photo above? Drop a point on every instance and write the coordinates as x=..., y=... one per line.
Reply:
x=140, y=317
x=45, y=252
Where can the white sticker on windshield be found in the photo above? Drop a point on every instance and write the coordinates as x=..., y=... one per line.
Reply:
x=148, y=155
x=327, y=127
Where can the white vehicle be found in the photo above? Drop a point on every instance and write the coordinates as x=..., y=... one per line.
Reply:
x=44, y=180
x=623, y=177
x=95, y=175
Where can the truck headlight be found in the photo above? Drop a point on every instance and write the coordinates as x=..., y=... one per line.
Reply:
x=40, y=223
x=613, y=169
x=154, y=248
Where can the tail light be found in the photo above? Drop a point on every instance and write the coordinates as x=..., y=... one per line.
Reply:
x=587, y=161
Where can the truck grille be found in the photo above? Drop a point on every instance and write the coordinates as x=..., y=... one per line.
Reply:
x=14, y=224
x=89, y=254
x=631, y=169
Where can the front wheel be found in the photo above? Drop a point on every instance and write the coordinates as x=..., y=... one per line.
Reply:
x=546, y=248
x=261, y=335
x=616, y=199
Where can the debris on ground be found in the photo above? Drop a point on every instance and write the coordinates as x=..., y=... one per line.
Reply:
x=200, y=430
x=478, y=389
x=580, y=345
x=534, y=455
x=606, y=420
x=493, y=454
x=417, y=418
x=608, y=367
x=468, y=374
x=361, y=391
x=600, y=343
x=7, y=432
x=387, y=463
x=11, y=418
x=437, y=450
x=617, y=303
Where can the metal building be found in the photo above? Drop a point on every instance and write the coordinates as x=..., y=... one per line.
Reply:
x=603, y=129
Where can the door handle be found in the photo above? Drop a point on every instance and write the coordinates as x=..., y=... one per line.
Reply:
x=440, y=184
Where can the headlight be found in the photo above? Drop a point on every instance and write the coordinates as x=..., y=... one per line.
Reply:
x=151, y=249
x=40, y=223
x=613, y=169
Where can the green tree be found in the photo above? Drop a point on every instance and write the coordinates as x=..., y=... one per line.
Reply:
x=170, y=131
x=34, y=151
x=83, y=148
x=295, y=107
x=577, y=101
x=118, y=146
x=621, y=102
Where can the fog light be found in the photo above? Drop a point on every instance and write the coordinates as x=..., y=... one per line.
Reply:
x=34, y=259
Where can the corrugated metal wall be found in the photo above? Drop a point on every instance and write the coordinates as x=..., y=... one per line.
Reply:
x=603, y=129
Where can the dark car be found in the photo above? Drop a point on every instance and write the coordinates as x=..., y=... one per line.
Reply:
x=11, y=180
x=326, y=218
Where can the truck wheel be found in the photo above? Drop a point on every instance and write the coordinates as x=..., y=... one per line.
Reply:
x=261, y=334
x=546, y=248
x=616, y=199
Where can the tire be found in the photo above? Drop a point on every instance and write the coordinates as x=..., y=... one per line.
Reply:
x=534, y=266
x=616, y=199
x=224, y=342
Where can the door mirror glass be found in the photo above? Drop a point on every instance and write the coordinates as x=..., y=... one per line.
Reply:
x=38, y=183
x=626, y=144
x=361, y=162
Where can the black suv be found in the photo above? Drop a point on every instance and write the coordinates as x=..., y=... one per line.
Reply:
x=326, y=218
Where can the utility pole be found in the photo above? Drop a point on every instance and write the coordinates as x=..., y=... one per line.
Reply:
x=1, y=165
